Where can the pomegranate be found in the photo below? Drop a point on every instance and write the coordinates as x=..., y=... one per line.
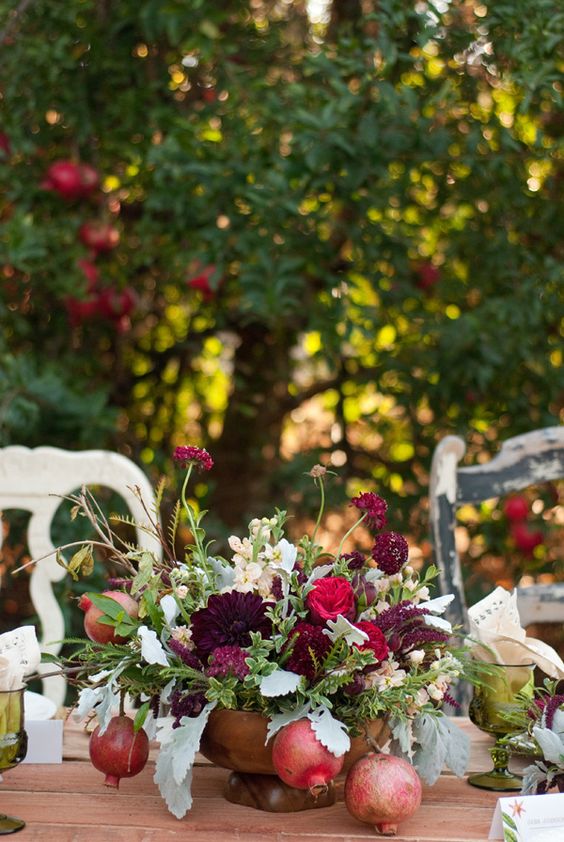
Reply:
x=80, y=310
x=99, y=236
x=115, y=305
x=70, y=180
x=201, y=282
x=119, y=752
x=301, y=760
x=525, y=540
x=5, y=145
x=100, y=632
x=382, y=790
x=427, y=276
x=516, y=508
x=90, y=272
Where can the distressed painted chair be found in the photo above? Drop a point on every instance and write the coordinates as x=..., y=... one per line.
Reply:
x=34, y=480
x=525, y=460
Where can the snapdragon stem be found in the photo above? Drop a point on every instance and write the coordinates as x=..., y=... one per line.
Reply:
x=346, y=535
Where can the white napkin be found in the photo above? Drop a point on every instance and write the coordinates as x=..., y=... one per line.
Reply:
x=495, y=623
x=19, y=656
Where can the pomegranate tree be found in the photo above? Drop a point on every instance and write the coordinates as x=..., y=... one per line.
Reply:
x=101, y=632
x=382, y=790
x=119, y=752
x=301, y=760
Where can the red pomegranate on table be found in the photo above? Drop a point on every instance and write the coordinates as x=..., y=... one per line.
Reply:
x=100, y=632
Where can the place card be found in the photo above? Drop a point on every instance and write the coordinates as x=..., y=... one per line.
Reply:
x=529, y=818
x=44, y=741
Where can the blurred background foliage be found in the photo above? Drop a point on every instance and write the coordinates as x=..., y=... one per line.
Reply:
x=290, y=232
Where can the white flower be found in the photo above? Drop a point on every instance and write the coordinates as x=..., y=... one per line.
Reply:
x=388, y=675
x=183, y=635
x=435, y=692
x=410, y=584
x=417, y=656
x=151, y=648
x=422, y=594
x=182, y=591
x=282, y=555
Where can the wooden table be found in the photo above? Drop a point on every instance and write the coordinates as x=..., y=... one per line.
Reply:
x=68, y=803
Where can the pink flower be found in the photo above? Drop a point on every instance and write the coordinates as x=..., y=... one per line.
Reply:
x=373, y=506
x=193, y=456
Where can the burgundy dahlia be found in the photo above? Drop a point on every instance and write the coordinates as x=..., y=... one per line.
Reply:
x=373, y=506
x=390, y=552
x=226, y=661
x=309, y=648
x=228, y=620
x=193, y=456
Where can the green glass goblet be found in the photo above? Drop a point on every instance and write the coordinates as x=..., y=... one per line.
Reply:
x=492, y=704
x=13, y=744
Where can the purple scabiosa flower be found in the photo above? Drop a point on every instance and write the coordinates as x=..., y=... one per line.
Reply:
x=227, y=660
x=185, y=704
x=390, y=552
x=228, y=620
x=355, y=560
x=186, y=655
x=373, y=506
x=193, y=456
x=309, y=647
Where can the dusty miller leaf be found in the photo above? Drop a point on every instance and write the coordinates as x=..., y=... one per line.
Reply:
x=440, y=742
x=551, y=745
x=279, y=683
x=279, y=720
x=330, y=732
x=173, y=772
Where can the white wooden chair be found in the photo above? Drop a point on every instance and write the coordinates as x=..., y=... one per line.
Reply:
x=525, y=460
x=34, y=480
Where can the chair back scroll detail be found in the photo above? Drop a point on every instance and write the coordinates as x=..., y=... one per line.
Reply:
x=35, y=480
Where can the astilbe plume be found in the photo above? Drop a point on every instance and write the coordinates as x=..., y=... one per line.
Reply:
x=405, y=628
x=551, y=707
x=186, y=655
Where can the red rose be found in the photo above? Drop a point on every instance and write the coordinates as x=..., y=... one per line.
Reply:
x=329, y=598
x=376, y=640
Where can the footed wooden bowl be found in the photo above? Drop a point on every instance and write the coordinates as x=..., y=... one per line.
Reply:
x=236, y=740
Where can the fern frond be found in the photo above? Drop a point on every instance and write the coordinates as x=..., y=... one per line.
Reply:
x=173, y=523
x=159, y=491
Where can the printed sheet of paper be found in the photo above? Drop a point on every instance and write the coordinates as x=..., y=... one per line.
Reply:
x=529, y=818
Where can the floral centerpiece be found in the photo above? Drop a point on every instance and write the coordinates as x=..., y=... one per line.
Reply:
x=287, y=630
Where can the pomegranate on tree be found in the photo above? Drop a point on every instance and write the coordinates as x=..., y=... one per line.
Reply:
x=100, y=632
x=525, y=540
x=70, y=180
x=301, y=760
x=382, y=790
x=99, y=236
x=427, y=276
x=119, y=752
x=516, y=508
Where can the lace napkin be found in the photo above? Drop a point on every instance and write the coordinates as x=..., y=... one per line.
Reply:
x=495, y=623
x=19, y=656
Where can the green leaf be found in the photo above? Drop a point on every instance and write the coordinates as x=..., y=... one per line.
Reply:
x=141, y=716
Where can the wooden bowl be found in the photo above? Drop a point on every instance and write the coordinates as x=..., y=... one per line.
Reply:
x=235, y=739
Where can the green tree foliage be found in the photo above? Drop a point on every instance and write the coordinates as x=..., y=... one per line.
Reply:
x=335, y=238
